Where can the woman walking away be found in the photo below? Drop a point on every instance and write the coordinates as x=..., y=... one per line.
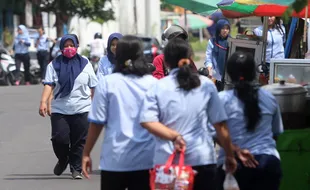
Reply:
x=71, y=78
x=177, y=110
x=254, y=122
x=217, y=52
x=127, y=149
x=107, y=63
x=21, y=46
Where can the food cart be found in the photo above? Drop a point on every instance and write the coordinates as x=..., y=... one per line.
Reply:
x=294, y=100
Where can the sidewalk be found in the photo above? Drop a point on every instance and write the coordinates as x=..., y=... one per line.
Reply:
x=202, y=56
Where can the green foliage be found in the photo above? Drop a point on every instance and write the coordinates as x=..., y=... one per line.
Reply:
x=85, y=52
x=297, y=6
x=197, y=45
x=93, y=9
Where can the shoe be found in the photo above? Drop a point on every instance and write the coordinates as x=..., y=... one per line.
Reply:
x=77, y=175
x=17, y=83
x=28, y=83
x=60, y=167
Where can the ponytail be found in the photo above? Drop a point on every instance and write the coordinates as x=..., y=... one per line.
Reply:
x=187, y=79
x=248, y=94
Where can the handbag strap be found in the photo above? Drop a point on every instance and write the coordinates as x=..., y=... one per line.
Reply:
x=171, y=158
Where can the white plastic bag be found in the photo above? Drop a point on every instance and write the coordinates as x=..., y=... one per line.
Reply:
x=230, y=182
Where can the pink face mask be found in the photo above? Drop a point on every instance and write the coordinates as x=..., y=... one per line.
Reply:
x=69, y=52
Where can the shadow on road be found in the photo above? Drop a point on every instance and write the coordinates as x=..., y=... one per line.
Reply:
x=12, y=177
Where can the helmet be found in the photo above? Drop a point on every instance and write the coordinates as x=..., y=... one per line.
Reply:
x=98, y=35
x=174, y=31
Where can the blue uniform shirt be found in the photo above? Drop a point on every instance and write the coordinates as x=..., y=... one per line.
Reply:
x=127, y=146
x=79, y=100
x=261, y=140
x=105, y=67
x=186, y=112
x=275, y=41
x=19, y=47
x=43, y=44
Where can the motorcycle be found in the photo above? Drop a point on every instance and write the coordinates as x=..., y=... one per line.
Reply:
x=8, y=69
x=94, y=60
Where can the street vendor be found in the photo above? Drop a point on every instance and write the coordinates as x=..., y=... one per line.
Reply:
x=276, y=38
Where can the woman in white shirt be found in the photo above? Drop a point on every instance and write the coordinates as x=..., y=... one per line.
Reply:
x=276, y=38
x=177, y=109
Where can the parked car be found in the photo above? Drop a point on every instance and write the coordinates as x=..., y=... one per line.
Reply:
x=152, y=48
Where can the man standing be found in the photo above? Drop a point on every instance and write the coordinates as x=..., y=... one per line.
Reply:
x=42, y=46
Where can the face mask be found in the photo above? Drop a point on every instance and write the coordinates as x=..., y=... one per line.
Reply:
x=69, y=52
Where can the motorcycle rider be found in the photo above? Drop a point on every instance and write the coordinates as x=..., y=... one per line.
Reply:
x=97, y=47
x=174, y=31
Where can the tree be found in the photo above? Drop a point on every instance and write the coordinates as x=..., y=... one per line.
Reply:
x=66, y=9
x=164, y=6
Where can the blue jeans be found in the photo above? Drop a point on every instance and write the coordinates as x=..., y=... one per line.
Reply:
x=266, y=176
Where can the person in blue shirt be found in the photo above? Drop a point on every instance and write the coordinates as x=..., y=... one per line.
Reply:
x=107, y=63
x=72, y=79
x=217, y=51
x=276, y=38
x=21, y=46
x=254, y=122
x=42, y=45
x=127, y=148
x=177, y=110
x=55, y=51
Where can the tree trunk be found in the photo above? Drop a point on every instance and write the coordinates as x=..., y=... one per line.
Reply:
x=61, y=19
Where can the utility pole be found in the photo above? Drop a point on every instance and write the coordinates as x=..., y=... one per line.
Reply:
x=135, y=15
x=185, y=20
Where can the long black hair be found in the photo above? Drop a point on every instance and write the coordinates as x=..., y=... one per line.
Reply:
x=130, y=58
x=277, y=25
x=241, y=69
x=175, y=51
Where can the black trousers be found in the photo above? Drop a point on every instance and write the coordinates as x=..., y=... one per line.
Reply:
x=267, y=175
x=69, y=134
x=134, y=180
x=140, y=180
x=205, y=179
x=43, y=57
x=25, y=59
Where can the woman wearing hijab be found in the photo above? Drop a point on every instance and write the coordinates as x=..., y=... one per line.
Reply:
x=21, y=46
x=71, y=78
x=127, y=149
x=177, y=110
x=107, y=63
x=254, y=122
x=216, y=52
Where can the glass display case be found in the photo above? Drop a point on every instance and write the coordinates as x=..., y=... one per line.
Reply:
x=291, y=70
x=254, y=47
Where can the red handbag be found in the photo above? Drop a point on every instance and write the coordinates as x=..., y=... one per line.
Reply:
x=172, y=177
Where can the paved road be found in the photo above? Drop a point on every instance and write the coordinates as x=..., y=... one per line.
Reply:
x=26, y=157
